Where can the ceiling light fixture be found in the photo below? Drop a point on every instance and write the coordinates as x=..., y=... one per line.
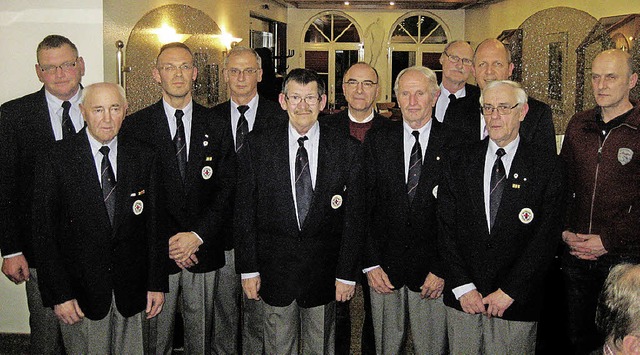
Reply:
x=346, y=3
x=392, y=3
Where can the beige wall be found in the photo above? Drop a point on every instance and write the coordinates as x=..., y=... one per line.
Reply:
x=23, y=24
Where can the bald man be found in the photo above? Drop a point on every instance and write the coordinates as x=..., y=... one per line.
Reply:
x=603, y=222
x=492, y=61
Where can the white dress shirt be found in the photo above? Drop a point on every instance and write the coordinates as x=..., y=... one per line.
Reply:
x=55, y=112
x=170, y=113
x=489, y=159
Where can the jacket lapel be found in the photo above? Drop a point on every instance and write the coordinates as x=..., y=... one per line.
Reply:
x=510, y=196
x=475, y=181
x=196, y=147
x=85, y=162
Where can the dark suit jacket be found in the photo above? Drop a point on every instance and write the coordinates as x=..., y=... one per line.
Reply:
x=515, y=256
x=402, y=237
x=25, y=133
x=197, y=204
x=268, y=115
x=341, y=121
x=537, y=127
x=82, y=256
x=295, y=264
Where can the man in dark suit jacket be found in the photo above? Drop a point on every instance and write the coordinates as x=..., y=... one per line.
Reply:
x=492, y=61
x=499, y=208
x=298, y=221
x=401, y=258
x=198, y=185
x=100, y=257
x=361, y=90
x=244, y=112
x=28, y=126
x=457, y=65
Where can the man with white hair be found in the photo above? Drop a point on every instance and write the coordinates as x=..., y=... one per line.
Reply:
x=499, y=210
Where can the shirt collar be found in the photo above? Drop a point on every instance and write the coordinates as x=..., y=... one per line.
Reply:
x=253, y=103
x=368, y=119
x=171, y=111
x=96, y=145
x=510, y=149
x=57, y=103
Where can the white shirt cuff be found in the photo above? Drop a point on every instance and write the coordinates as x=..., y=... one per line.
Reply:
x=346, y=282
x=364, y=271
x=202, y=241
x=462, y=290
x=249, y=275
x=12, y=255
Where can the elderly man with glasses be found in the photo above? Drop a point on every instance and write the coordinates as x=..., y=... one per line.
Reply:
x=298, y=221
x=457, y=65
x=499, y=210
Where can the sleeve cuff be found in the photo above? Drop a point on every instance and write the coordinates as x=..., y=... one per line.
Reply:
x=12, y=255
x=346, y=282
x=462, y=290
x=364, y=271
x=249, y=275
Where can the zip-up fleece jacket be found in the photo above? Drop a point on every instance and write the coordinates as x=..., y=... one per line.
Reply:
x=604, y=181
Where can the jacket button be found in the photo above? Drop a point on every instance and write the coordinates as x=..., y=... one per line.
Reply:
x=489, y=246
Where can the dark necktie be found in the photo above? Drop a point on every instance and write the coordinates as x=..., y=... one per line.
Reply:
x=304, y=189
x=108, y=183
x=243, y=127
x=452, y=98
x=67, y=125
x=415, y=167
x=180, y=142
x=497, y=185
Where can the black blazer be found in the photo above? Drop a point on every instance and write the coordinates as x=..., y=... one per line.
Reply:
x=25, y=134
x=537, y=127
x=341, y=121
x=402, y=237
x=516, y=255
x=268, y=115
x=199, y=203
x=295, y=264
x=82, y=256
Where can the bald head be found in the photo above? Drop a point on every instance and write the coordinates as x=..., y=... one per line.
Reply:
x=612, y=78
x=491, y=61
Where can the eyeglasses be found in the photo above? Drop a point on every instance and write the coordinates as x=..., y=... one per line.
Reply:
x=246, y=71
x=367, y=84
x=170, y=68
x=65, y=67
x=456, y=59
x=310, y=100
x=502, y=110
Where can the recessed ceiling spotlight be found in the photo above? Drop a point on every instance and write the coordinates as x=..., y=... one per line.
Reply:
x=346, y=3
x=392, y=3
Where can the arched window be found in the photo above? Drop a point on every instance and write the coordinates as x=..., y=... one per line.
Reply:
x=332, y=43
x=417, y=38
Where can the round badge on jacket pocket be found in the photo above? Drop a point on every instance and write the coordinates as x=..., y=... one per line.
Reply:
x=138, y=207
x=336, y=202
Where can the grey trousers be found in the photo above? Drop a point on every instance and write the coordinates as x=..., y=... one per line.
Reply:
x=114, y=334
x=392, y=315
x=226, y=308
x=252, y=326
x=295, y=330
x=479, y=334
x=194, y=294
x=45, y=337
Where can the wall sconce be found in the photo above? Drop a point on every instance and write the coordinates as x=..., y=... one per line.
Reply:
x=227, y=39
x=167, y=34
